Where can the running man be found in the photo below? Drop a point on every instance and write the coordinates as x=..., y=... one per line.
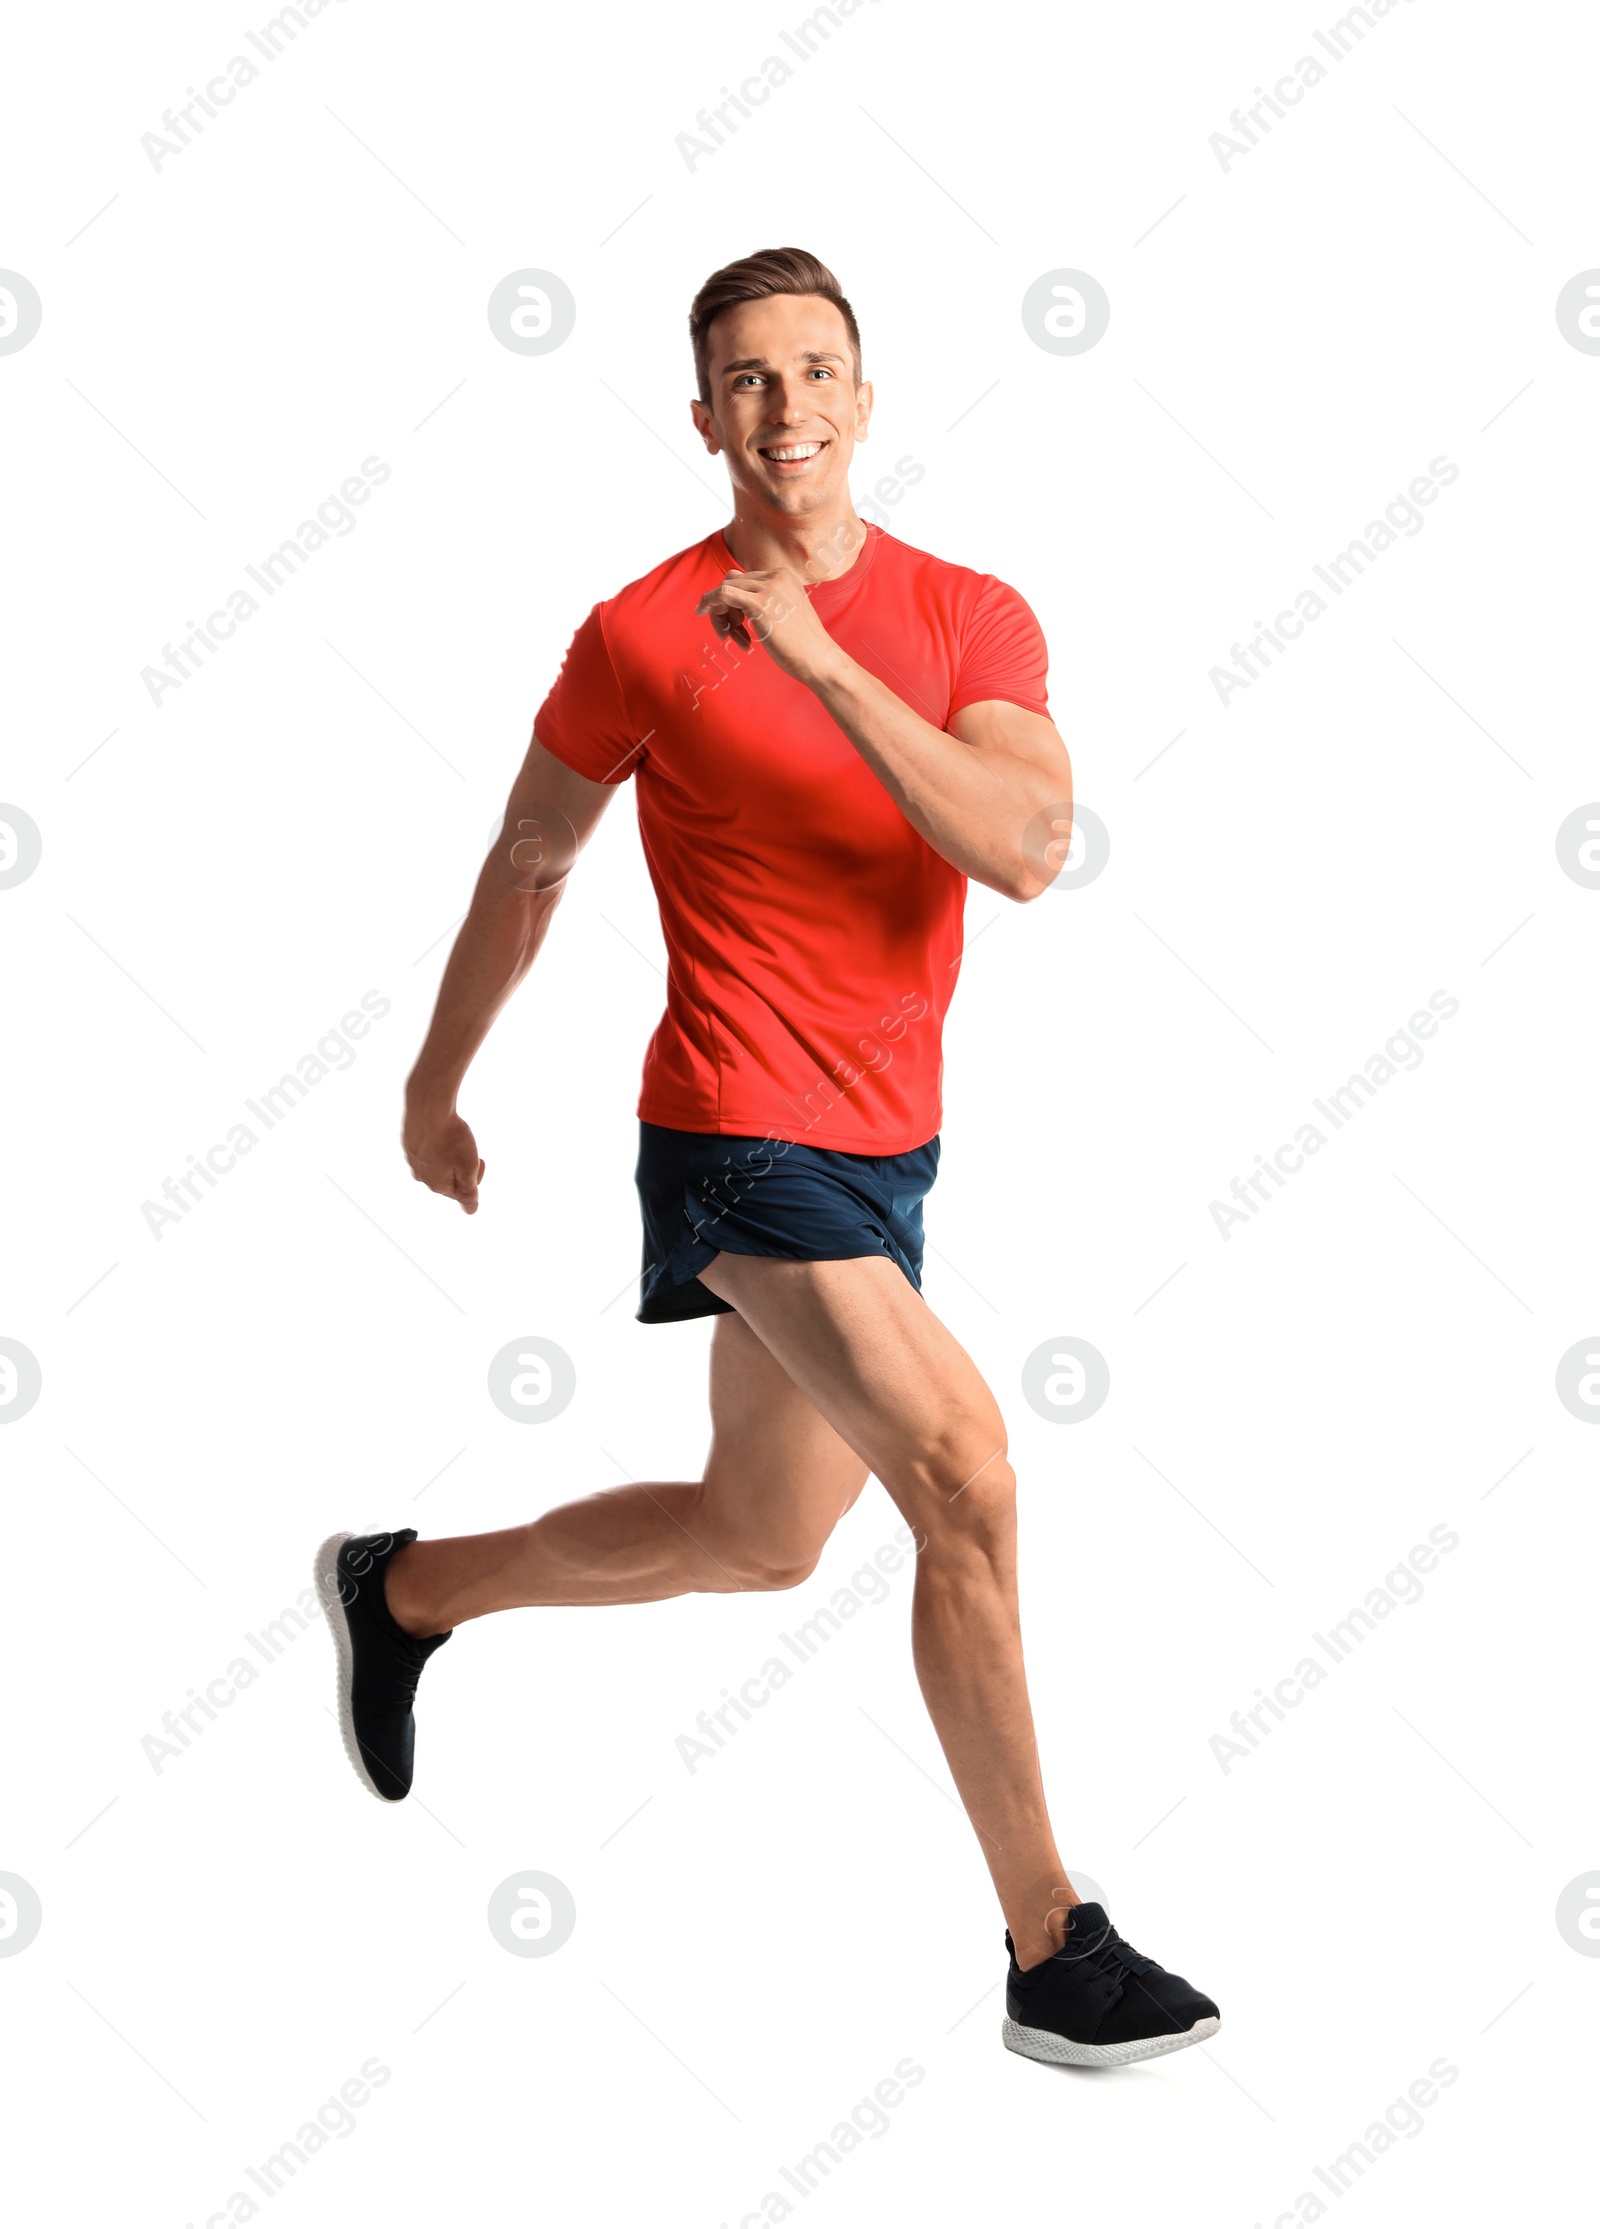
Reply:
x=830, y=733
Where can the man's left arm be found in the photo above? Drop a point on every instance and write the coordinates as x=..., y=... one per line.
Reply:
x=992, y=794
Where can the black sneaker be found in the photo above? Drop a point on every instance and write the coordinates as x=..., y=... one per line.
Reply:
x=1099, y=2002
x=379, y=1665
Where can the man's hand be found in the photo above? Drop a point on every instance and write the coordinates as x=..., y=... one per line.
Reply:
x=773, y=607
x=443, y=1153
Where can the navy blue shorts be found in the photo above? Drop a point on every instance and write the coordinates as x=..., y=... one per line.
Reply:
x=704, y=1194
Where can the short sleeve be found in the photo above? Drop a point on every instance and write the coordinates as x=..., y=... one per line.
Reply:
x=584, y=720
x=1002, y=651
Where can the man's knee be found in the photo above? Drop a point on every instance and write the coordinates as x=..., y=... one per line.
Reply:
x=957, y=1454
x=743, y=1557
x=962, y=1484
x=984, y=1510
x=769, y=1571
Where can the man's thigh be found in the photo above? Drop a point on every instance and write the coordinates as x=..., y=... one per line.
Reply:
x=872, y=1358
x=778, y=1477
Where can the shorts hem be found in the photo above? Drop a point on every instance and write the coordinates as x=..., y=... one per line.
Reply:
x=704, y=1302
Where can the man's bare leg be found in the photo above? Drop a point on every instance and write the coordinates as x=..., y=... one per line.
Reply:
x=897, y=1386
x=828, y=1368
x=777, y=1480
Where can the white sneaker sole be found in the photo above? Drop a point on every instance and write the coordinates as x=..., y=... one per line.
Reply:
x=1054, y=2050
x=325, y=1574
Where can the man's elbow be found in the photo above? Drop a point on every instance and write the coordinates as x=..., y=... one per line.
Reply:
x=1013, y=879
x=1042, y=856
x=534, y=852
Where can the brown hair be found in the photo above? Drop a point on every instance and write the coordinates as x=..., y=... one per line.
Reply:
x=752, y=279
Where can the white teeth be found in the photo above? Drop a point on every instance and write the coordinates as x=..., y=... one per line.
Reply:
x=793, y=456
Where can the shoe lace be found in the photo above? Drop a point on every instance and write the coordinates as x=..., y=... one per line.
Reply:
x=415, y=1657
x=1103, y=1953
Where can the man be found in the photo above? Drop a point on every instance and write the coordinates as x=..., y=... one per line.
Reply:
x=867, y=732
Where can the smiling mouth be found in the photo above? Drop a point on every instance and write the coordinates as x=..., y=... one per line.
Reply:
x=792, y=457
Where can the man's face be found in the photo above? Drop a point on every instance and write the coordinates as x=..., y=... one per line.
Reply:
x=785, y=409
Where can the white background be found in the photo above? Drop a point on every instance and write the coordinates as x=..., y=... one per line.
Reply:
x=1373, y=1355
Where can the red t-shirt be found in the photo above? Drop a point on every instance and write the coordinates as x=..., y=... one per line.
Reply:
x=813, y=936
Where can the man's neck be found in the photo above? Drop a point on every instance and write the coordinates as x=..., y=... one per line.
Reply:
x=814, y=550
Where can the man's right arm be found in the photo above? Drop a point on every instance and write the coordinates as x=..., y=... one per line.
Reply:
x=550, y=815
